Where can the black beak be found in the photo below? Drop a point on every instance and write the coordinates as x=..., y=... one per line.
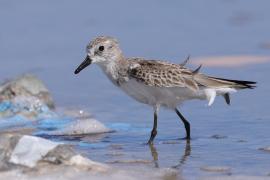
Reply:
x=83, y=65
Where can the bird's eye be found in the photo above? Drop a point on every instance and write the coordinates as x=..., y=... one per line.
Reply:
x=101, y=48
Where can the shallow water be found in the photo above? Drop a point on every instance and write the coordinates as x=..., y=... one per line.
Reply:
x=49, y=38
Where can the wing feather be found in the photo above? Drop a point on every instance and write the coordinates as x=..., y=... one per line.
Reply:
x=161, y=74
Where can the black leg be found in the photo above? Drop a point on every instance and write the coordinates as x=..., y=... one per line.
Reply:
x=186, y=123
x=154, y=130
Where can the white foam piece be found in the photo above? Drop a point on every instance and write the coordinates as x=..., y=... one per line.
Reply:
x=30, y=149
x=82, y=126
x=81, y=161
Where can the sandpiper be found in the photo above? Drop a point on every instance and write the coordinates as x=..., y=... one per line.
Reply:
x=157, y=83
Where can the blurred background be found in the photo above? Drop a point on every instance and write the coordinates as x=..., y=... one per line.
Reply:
x=48, y=39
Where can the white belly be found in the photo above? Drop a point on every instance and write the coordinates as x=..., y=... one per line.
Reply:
x=168, y=97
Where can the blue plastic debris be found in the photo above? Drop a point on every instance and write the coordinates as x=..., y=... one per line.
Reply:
x=5, y=105
x=14, y=121
x=53, y=124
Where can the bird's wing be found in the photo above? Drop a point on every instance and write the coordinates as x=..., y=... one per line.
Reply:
x=161, y=74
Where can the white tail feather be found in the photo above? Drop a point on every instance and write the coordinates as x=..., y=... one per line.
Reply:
x=210, y=96
x=212, y=93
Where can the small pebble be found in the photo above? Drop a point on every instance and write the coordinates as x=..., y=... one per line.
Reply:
x=215, y=168
x=241, y=141
x=115, y=154
x=170, y=142
x=267, y=149
x=132, y=161
x=116, y=146
x=217, y=136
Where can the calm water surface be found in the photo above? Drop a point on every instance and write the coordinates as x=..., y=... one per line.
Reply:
x=49, y=39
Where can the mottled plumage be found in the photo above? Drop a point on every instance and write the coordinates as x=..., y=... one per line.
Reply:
x=157, y=83
x=161, y=74
x=165, y=74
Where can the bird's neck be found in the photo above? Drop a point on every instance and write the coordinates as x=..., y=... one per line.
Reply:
x=114, y=68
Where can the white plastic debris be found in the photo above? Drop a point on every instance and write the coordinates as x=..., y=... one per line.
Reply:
x=81, y=161
x=30, y=149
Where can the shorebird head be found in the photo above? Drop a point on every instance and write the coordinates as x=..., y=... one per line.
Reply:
x=103, y=50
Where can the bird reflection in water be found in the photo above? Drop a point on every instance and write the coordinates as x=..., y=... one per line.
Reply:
x=182, y=160
x=154, y=154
